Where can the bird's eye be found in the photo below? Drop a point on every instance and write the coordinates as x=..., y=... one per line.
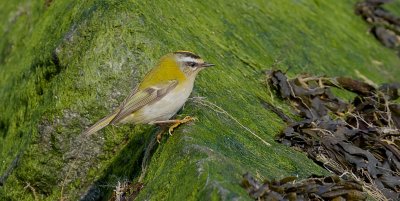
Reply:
x=191, y=64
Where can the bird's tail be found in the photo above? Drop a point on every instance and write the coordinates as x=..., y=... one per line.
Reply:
x=100, y=124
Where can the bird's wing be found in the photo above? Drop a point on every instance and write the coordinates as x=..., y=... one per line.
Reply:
x=143, y=97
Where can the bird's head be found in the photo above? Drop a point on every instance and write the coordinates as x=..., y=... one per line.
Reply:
x=190, y=63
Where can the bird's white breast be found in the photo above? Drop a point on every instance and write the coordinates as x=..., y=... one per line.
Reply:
x=167, y=106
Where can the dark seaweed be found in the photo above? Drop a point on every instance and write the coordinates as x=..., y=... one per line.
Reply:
x=361, y=137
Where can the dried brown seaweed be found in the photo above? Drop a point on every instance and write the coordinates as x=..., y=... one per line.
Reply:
x=313, y=188
x=385, y=25
x=361, y=138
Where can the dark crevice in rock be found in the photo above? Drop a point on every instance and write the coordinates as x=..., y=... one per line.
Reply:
x=126, y=166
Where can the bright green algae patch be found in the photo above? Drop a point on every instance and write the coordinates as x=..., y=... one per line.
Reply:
x=65, y=66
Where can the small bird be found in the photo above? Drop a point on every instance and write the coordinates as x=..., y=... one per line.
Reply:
x=160, y=95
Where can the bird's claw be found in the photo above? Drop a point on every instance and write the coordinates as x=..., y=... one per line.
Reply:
x=175, y=124
x=159, y=137
x=179, y=122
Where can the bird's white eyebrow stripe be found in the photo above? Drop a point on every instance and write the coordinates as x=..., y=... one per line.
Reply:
x=188, y=59
x=187, y=54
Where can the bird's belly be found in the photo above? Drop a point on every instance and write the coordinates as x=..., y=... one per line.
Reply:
x=164, y=108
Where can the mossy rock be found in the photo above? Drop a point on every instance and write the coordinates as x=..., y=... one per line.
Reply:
x=66, y=64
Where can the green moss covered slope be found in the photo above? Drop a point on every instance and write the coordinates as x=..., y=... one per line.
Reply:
x=66, y=64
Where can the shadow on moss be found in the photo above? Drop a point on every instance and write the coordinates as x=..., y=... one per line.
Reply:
x=124, y=167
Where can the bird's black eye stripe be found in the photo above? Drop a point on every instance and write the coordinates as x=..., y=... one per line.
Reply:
x=191, y=64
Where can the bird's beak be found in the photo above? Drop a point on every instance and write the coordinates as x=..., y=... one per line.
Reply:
x=205, y=64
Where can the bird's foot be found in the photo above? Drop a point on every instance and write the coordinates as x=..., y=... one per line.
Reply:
x=179, y=122
x=174, y=124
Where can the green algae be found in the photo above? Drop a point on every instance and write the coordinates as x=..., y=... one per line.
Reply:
x=59, y=65
x=393, y=7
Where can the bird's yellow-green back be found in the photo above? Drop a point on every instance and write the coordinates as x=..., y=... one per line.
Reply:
x=166, y=69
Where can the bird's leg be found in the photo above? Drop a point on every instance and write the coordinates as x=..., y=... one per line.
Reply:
x=160, y=133
x=174, y=123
